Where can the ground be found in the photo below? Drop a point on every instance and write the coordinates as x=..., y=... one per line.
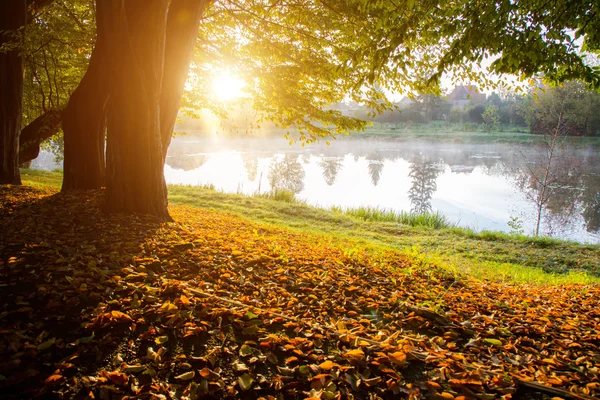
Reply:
x=217, y=306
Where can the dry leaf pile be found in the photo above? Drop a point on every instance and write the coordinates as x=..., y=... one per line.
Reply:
x=213, y=306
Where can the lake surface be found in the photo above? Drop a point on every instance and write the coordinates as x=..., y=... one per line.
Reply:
x=481, y=186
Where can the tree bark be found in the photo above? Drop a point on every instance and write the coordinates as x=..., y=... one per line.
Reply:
x=136, y=34
x=84, y=119
x=182, y=31
x=40, y=129
x=12, y=18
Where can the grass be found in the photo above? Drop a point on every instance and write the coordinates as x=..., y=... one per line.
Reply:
x=461, y=133
x=484, y=255
x=434, y=220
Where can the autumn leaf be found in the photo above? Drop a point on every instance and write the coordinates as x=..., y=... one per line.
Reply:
x=245, y=382
x=326, y=365
x=354, y=355
x=186, y=376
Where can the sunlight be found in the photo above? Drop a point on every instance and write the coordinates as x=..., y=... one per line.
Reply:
x=227, y=86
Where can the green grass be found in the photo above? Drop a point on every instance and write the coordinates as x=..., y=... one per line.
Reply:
x=484, y=255
x=434, y=220
x=42, y=179
x=461, y=133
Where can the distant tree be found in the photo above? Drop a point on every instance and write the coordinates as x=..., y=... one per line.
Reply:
x=475, y=113
x=491, y=118
x=457, y=115
x=579, y=108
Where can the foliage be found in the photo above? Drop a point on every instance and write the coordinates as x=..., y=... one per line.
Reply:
x=296, y=62
x=491, y=118
x=219, y=306
x=59, y=41
x=577, y=106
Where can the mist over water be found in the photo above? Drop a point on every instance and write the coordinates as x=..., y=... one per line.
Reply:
x=480, y=186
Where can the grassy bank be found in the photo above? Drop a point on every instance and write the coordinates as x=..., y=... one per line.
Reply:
x=484, y=255
x=460, y=133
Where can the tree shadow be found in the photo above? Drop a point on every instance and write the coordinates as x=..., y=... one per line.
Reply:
x=59, y=256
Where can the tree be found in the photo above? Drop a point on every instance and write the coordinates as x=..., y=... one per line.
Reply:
x=491, y=118
x=298, y=58
x=578, y=104
x=84, y=118
x=12, y=23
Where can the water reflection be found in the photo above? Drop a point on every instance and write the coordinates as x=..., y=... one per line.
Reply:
x=331, y=166
x=479, y=186
x=423, y=174
x=552, y=182
x=251, y=166
x=286, y=174
x=375, y=167
x=591, y=203
x=186, y=162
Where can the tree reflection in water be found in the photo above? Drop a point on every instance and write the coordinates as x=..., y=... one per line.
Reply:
x=251, y=165
x=552, y=182
x=331, y=166
x=375, y=167
x=286, y=174
x=423, y=174
x=591, y=203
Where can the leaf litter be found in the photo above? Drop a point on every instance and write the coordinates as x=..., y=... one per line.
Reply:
x=213, y=306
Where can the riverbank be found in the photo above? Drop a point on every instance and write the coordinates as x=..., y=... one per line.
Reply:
x=436, y=131
x=215, y=305
x=483, y=255
x=458, y=134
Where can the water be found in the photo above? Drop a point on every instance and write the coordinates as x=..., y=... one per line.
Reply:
x=480, y=186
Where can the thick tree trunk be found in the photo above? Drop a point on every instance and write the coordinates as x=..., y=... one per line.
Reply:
x=182, y=32
x=84, y=119
x=12, y=17
x=136, y=41
x=43, y=127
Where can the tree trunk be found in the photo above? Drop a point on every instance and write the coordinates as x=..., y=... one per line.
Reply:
x=182, y=32
x=84, y=119
x=40, y=129
x=136, y=32
x=12, y=18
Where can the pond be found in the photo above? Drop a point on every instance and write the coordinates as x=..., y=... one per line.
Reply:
x=480, y=186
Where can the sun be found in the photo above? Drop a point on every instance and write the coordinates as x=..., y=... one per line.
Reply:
x=227, y=86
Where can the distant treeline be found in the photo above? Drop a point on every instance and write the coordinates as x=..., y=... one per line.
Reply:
x=536, y=112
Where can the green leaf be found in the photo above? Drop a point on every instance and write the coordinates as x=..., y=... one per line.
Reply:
x=250, y=315
x=493, y=342
x=246, y=350
x=245, y=382
x=47, y=344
